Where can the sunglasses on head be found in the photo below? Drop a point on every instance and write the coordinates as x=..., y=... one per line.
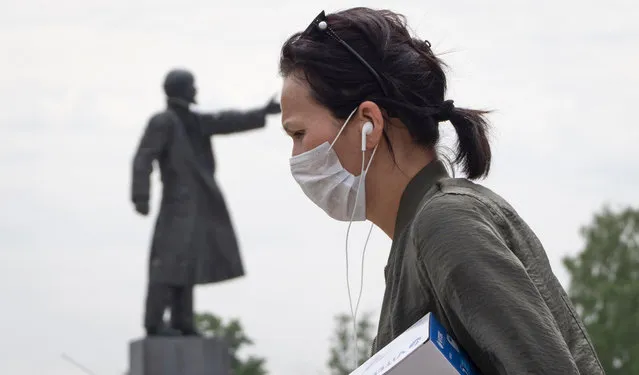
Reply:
x=320, y=25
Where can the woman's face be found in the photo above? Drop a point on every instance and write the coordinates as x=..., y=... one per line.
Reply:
x=310, y=124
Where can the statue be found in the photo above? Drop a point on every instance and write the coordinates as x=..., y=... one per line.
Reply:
x=194, y=240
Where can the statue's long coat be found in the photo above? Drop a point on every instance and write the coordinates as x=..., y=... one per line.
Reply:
x=194, y=240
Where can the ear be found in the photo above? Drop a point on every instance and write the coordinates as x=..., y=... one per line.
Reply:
x=371, y=113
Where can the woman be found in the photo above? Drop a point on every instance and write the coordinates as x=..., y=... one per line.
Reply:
x=363, y=101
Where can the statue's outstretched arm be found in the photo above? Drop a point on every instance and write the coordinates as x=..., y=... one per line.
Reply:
x=227, y=122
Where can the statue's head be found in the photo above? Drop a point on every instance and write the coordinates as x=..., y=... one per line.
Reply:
x=180, y=84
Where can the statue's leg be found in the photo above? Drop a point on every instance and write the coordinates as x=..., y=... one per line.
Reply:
x=182, y=316
x=156, y=303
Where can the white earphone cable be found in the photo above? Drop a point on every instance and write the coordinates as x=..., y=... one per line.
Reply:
x=348, y=284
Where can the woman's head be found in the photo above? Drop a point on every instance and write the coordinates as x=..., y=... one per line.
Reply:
x=366, y=59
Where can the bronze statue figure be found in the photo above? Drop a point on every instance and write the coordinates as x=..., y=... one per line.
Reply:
x=194, y=240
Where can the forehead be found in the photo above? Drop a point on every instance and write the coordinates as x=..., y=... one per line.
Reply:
x=297, y=104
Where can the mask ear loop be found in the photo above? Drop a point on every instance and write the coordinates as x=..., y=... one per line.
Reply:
x=343, y=127
x=362, y=179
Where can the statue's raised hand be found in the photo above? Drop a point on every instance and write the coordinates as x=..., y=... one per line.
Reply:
x=273, y=107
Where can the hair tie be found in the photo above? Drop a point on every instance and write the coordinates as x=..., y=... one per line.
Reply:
x=445, y=111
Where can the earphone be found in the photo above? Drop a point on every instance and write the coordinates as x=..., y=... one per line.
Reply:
x=366, y=130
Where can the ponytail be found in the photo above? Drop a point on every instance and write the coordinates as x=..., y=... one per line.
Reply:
x=473, y=147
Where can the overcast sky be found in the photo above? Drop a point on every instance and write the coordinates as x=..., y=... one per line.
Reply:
x=79, y=79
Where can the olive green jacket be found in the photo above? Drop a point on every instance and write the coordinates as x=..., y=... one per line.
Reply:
x=461, y=252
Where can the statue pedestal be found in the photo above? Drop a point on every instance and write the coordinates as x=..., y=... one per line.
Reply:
x=179, y=356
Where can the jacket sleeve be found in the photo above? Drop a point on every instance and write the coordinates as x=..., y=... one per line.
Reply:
x=495, y=310
x=227, y=122
x=151, y=145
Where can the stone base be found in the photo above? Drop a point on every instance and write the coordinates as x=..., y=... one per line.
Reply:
x=179, y=356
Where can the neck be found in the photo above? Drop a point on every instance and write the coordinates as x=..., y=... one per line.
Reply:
x=178, y=103
x=386, y=183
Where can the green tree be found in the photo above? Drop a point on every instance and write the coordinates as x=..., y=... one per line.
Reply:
x=341, y=361
x=211, y=325
x=604, y=288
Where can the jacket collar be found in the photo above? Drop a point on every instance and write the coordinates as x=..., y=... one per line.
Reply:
x=415, y=191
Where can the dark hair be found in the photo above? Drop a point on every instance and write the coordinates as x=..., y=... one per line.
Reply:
x=407, y=65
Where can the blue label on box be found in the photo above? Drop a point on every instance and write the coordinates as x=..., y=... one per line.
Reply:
x=449, y=348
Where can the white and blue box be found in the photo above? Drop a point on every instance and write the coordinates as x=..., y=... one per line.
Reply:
x=423, y=349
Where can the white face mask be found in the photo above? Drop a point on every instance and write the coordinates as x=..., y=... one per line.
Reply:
x=328, y=184
x=340, y=194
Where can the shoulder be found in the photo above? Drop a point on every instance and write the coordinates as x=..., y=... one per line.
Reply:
x=461, y=228
x=461, y=189
x=162, y=119
x=457, y=198
x=458, y=215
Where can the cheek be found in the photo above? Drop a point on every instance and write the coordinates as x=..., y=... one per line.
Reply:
x=310, y=140
x=302, y=145
x=349, y=154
